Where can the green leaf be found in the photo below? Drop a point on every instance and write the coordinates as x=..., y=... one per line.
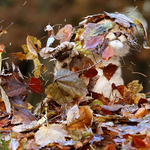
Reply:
x=101, y=28
x=67, y=85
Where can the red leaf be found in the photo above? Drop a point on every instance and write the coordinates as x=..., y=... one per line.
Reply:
x=109, y=71
x=94, y=41
x=35, y=85
x=120, y=88
x=91, y=73
x=108, y=53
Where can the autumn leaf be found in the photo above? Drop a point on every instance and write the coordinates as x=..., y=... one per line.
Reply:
x=20, y=55
x=33, y=44
x=54, y=133
x=67, y=85
x=101, y=28
x=109, y=70
x=141, y=27
x=108, y=53
x=91, y=73
x=35, y=85
x=65, y=33
x=85, y=118
x=14, y=83
x=38, y=68
x=94, y=41
x=5, y=98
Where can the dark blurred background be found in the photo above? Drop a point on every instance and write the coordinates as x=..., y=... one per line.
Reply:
x=31, y=17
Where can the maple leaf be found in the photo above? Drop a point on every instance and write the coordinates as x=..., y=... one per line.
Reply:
x=67, y=85
x=53, y=133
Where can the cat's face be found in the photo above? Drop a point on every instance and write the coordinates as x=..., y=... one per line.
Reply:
x=117, y=39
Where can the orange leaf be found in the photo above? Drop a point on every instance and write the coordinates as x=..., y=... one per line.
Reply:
x=136, y=142
x=108, y=53
x=140, y=113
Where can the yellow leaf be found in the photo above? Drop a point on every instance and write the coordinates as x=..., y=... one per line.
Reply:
x=33, y=44
x=38, y=67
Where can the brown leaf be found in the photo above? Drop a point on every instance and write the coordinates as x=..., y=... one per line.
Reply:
x=108, y=53
x=14, y=84
x=91, y=73
x=65, y=33
x=109, y=70
x=84, y=119
x=110, y=146
x=67, y=85
x=136, y=142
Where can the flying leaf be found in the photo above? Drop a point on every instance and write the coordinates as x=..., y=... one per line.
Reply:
x=33, y=44
x=35, y=85
x=54, y=133
x=67, y=85
x=109, y=70
x=38, y=67
x=65, y=33
x=94, y=41
x=20, y=55
x=108, y=53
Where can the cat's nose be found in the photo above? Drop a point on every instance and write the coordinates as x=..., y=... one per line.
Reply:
x=117, y=34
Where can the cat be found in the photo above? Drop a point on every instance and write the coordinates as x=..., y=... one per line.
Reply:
x=118, y=39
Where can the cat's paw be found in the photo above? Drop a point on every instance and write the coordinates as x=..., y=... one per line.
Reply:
x=64, y=53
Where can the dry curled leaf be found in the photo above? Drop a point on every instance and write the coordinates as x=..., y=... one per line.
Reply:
x=82, y=121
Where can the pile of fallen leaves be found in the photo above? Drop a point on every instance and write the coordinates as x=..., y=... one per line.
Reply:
x=70, y=116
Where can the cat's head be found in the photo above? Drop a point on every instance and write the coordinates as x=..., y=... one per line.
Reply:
x=118, y=38
x=117, y=31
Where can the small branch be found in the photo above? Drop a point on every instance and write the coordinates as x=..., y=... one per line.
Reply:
x=137, y=72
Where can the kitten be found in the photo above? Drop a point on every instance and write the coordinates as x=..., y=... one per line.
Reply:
x=118, y=39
